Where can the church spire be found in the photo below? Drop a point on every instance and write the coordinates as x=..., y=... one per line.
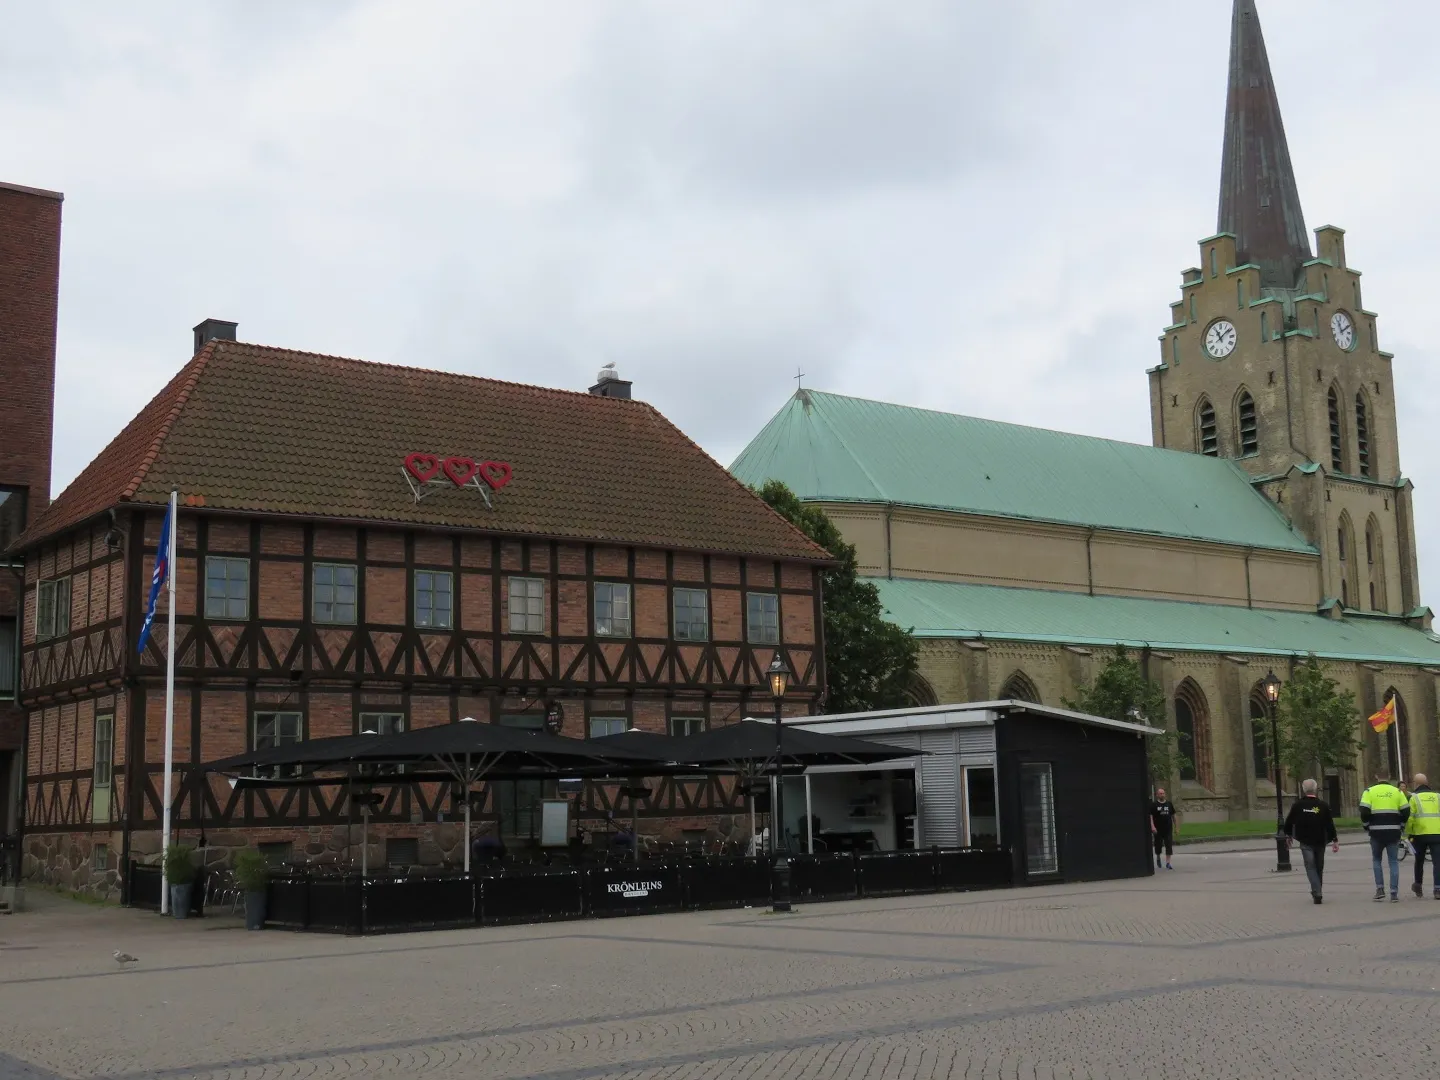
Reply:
x=1259, y=201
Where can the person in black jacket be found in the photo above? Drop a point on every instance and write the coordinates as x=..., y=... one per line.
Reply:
x=1311, y=823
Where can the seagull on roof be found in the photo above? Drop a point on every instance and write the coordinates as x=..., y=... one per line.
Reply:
x=123, y=958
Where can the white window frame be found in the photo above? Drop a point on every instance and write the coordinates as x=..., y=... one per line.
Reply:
x=278, y=736
x=691, y=594
x=102, y=768
x=753, y=626
x=331, y=586
x=600, y=726
x=682, y=724
x=434, y=621
x=220, y=608
x=618, y=622
x=52, y=608
x=526, y=608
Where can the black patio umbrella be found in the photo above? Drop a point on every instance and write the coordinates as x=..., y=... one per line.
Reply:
x=663, y=751
x=753, y=742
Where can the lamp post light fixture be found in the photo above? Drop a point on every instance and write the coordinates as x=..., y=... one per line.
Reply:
x=1271, y=688
x=779, y=675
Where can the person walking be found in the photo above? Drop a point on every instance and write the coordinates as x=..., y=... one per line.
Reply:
x=1311, y=824
x=1422, y=829
x=1162, y=827
x=1383, y=812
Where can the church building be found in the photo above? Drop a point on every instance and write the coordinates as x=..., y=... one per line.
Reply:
x=1270, y=520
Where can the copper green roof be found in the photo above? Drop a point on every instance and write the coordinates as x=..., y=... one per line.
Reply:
x=831, y=448
x=945, y=609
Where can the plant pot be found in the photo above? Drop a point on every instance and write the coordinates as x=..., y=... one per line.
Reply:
x=255, y=910
x=180, y=901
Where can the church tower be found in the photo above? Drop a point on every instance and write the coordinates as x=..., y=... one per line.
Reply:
x=1272, y=360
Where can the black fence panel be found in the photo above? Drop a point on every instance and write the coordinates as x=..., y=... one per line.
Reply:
x=144, y=886
x=894, y=873
x=145, y=889
x=973, y=869
x=823, y=877
x=399, y=903
x=532, y=897
x=333, y=904
x=726, y=882
x=643, y=888
x=287, y=903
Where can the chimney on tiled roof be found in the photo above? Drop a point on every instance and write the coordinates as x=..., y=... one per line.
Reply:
x=213, y=330
x=609, y=384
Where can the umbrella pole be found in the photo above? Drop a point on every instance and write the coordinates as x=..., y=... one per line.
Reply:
x=364, y=842
x=634, y=830
x=465, y=793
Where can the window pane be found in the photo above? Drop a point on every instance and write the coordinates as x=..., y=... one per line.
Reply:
x=692, y=615
x=1037, y=811
x=12, y=515
x=527, y=605
x=686, y=725
x=764, y=618
x=334, y=593
x=104, y=750
x=601, y=726
x=612, y=609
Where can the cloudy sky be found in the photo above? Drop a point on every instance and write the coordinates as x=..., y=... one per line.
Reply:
x=973, y=206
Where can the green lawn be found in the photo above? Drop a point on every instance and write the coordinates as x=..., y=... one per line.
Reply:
x=1204, y=830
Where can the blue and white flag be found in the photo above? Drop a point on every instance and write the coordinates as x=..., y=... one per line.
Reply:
x=157, y=579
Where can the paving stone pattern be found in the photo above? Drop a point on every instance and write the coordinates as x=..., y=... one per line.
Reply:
x=1219, y=969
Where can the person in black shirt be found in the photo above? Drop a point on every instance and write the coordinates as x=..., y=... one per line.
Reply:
x=1311, y=823
x=1162, y=827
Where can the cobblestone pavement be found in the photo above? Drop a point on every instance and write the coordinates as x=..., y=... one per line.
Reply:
x=1219, y=969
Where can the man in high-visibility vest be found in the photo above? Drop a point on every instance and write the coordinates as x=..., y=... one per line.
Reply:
x=1383, y=811
x=1423, y=830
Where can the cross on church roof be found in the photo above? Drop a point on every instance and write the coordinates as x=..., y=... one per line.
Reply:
x=1259, y=200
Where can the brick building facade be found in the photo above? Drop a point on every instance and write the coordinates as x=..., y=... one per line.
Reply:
x=342, y=567
x=29, y=300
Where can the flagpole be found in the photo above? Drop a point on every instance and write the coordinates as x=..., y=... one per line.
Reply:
x=1399, y=741
x=169, y=707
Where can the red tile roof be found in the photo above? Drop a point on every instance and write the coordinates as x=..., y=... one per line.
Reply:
x=263, y=430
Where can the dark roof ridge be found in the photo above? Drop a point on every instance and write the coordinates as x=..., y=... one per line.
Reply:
x=237, y=346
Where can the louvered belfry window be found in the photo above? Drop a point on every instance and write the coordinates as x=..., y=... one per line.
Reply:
x=1249, y=431
x=1336, y=443
x=1209, y=437
x=1362, y=435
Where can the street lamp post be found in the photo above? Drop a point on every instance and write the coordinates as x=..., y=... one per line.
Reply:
x=1271, y=686
x=779, y=676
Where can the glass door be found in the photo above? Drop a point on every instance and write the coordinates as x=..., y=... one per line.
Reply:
x=982, y=818
x=1037, y=814
x=518, y=801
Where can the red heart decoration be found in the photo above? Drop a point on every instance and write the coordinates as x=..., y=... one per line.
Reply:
x=495, y=473
x=461, y=470
x=422, y=466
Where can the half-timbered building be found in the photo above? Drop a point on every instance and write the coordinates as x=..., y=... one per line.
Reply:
x=371, y=547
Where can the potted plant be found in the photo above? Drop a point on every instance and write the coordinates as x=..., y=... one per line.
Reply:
x=180, y=872
x=252, y=874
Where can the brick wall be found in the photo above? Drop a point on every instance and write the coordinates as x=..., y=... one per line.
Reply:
x=29, y=297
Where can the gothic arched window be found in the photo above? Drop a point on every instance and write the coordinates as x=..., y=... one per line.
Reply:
x=1246, y=425
x=1375, y=564
x=1020, y=687
x=1362, y=434
x=1207, y=436
x=1349, y=564
x=1337, y=440
x=1192, y=725
x=919, y=693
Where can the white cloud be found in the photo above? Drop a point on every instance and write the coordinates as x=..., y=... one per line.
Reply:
x=983, y=208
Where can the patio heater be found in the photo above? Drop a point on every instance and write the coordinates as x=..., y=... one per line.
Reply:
x=1271, y=686
x=779, y=676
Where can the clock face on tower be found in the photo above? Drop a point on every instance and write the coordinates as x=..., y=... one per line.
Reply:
x=1343, y=330
x=1220, y=339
